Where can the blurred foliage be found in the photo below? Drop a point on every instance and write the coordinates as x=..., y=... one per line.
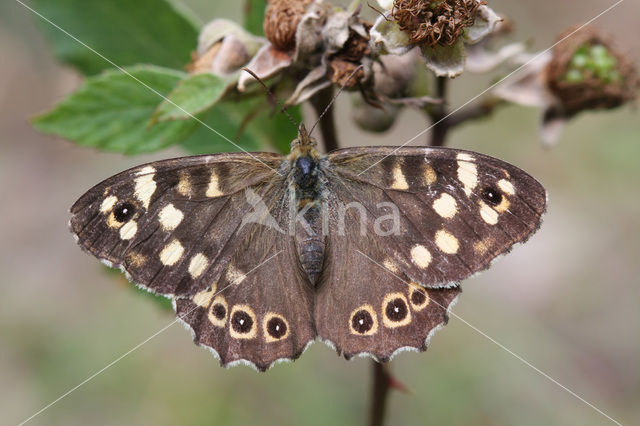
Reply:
x=254, y=15
x=112, y=112
x=125, y=32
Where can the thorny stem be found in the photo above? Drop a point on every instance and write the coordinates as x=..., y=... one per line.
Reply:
x=320, y=101
x=380, y=390
x=440, y=128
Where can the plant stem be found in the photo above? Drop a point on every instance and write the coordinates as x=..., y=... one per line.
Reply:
x=320, y=102
x=380, y=390
x=440, y=128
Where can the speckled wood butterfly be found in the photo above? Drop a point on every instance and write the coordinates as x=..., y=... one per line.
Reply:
x=262, y=254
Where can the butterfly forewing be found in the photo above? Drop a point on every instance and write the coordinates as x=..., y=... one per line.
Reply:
x=456, y=210
x=172, y=225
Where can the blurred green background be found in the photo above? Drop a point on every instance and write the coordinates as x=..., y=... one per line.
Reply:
x=567, y=301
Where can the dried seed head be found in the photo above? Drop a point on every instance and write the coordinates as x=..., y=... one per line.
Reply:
x=586, y=72
x=281, y=22
x=343, y=63
x=435, y=22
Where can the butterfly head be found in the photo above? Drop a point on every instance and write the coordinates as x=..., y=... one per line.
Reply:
x=303, y=146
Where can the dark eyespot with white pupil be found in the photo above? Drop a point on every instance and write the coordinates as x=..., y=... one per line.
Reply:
x=124, y=211
x=219, y=311
x=491, y=195
x=362, y=321
x=396, y=310
x=241, y=322
x=276, y=328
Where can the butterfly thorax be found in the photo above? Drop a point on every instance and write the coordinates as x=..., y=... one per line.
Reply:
x=306, y=184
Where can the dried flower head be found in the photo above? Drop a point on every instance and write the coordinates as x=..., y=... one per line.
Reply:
x=281, y=22
x=587, y=72
x=440, y=28
x=343, y=63
x=435, y=22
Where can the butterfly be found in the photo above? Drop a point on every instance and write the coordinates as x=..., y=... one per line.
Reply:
x=262, y=254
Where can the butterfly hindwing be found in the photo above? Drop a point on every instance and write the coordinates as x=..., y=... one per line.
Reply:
x=260, y=310
x=172, y=225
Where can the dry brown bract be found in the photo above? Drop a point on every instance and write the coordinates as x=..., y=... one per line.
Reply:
x=281, y=22
x=345, y=62
x=435, y=22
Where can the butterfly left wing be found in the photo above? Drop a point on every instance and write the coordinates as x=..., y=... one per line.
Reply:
x=172, y=225
x=387, y=284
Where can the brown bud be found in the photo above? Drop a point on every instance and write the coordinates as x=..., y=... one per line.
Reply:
x=587, y=72
x=343, y=63
x=281, y=22
x=435, y=22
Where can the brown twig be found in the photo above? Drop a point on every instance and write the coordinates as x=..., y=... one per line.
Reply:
x=380, y=390
x=438, y=114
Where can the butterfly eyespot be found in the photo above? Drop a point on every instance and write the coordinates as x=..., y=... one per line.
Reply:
x=395, y=310
x=491, y=195
x=243, y=322
x=219, y=311
x=275, y=327
x=363, y=321
x=418, y=297
x=124, y=211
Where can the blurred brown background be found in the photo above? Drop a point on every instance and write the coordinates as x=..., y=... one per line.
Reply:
x=567, y=301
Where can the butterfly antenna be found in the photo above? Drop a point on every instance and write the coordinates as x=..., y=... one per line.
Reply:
x=335, y=97
x=272, y=97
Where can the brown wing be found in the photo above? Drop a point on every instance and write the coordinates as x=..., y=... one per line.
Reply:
x=418, y=220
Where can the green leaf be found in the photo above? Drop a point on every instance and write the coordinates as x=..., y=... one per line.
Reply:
x=124, y=31
x=254, y=16
x=193, y=95
x=112, y=111
x=249, y=124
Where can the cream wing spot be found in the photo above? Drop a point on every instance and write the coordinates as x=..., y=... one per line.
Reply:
x=197, y=265
x=128, y=230
x=468, y=176
x=145, y=186
x=108, y=203
x=234, y=276
x=213, y=190
x=399, y=180
x=391, y=265
x=506, y=186
x=463, y=156
x=429, y=174
x=171, y=253
x=445, y=206
x=170, y=217
x=488, y=214
x=420, y=256
x=203, y=298
x=184, y=185
x=446, y=242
